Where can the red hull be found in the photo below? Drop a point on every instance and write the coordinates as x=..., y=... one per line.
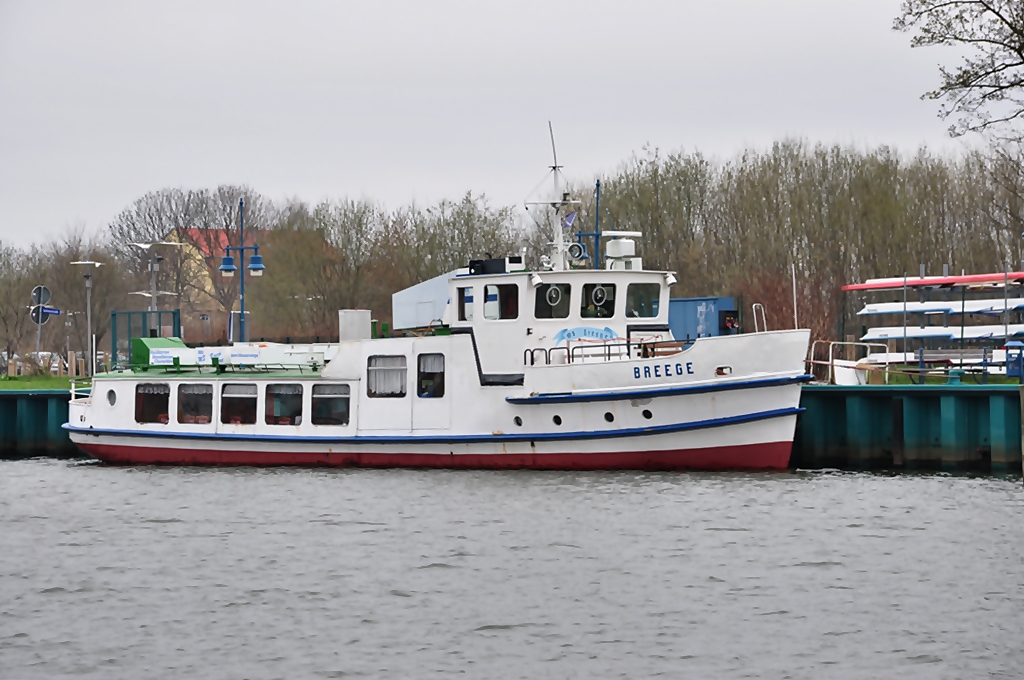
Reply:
x=771, y=456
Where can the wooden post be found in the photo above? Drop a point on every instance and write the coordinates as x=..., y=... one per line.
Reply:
x=72, y=364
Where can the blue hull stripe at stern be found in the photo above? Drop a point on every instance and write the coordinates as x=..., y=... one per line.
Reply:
x=569, y=397
x=450, y=439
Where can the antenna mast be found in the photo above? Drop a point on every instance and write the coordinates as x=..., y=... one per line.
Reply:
x=559, y=259
x=554, y=155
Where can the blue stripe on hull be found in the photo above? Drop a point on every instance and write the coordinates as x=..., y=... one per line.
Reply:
x=567, y=397
x=453, y=439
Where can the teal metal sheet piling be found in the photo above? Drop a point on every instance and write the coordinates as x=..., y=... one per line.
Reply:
x=30, y=424
x=1004, y=419
x=914, y=427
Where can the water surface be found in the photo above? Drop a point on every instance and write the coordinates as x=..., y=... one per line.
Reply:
x=245, y=573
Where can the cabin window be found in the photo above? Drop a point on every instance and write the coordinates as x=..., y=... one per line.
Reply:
x=330, y=404
x=598, y=301
x=284, y=405
x=465, y=304
x=501, y=301
x=151, y=402
x=195, y=404
x=430, y=380
x=642, y=299
x=238, y=405
x=385, y=376
x=552, y=301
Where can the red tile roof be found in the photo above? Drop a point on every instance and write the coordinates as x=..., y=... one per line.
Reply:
x=216, y=239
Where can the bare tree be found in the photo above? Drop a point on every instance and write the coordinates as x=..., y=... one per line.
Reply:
x=16, y=281
x=986, y=90
x=111, y=284
x=216, y=226
x=208, y=221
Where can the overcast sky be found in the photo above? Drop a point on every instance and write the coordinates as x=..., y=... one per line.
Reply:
x=101, y=102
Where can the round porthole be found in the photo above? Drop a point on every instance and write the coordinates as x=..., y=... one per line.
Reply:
x=609, y=416
x=648, y=414
x=557, y=420
x=111, y=397
x=518, y=421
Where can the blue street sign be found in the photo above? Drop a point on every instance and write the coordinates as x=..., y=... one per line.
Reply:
x=51, y=310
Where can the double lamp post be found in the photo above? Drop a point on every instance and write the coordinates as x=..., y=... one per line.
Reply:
x=228, y=268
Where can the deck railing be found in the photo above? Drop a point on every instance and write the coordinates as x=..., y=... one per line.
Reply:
x=81, y=388
x=604, y=351
x=831, y=363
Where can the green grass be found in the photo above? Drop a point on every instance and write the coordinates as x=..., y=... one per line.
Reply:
x=34, y=382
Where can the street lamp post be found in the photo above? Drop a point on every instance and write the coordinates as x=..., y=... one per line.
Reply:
x=154, y=269
x=228, y=268
x=88, y=313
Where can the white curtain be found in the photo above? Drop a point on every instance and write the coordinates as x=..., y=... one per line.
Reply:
x=431, y=363
x=330, y=390
x=385, y=376
x=284, y=389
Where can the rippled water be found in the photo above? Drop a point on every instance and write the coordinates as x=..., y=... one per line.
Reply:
x=134, y=573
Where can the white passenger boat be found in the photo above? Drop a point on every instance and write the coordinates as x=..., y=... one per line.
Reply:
x=557, y=368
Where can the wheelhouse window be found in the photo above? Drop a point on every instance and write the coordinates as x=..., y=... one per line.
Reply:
x=598, y=301
x=195, y=404
x=330, y=404
x=642, y=299
x=430, y=378
x=238, y=405
x=284, y=405
x=386, y=376
x=151, y=402
x=466, y=304
x=501, y=301
x=552, y=301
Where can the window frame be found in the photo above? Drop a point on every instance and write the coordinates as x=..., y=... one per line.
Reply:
x=502, y=301
x=420, y=373
x=139, y=403
x=269, y=401
x=178, y=409
x=657, y=313
x=588, y=290
x=314, y=398
x=405, y=375
x=255, y=396
x=466, y=312
x=540, y=300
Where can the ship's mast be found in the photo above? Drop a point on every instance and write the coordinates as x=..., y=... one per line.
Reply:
x=560, y=203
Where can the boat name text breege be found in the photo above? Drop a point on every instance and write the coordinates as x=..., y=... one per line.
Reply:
x=662, y=370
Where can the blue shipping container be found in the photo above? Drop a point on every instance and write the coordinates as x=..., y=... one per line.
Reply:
x=692, y=318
